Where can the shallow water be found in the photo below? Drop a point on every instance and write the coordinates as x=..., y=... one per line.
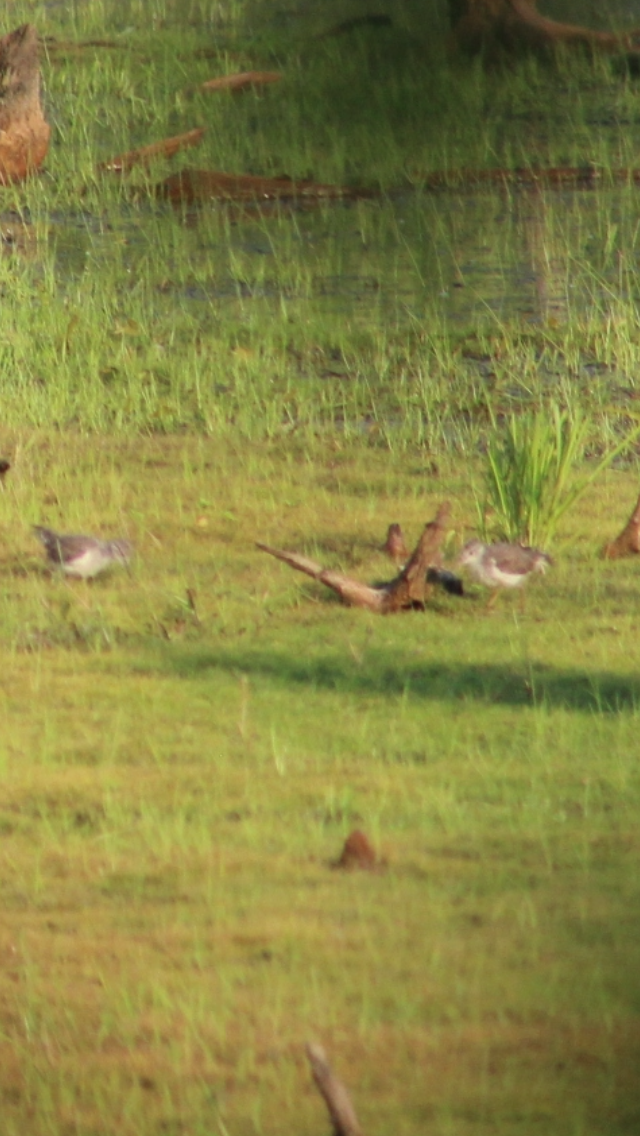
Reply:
x=470, y=258
x=502, y=291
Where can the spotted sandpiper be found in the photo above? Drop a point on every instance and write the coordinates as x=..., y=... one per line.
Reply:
x=502, y=565
x=83, y=556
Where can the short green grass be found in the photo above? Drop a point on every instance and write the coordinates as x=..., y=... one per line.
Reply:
x=175, y=786
x=184, y=750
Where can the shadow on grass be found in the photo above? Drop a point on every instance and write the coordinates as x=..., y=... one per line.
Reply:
x=389, y=676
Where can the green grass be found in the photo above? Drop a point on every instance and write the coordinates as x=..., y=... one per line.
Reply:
x=174, y=790
x=177, y=776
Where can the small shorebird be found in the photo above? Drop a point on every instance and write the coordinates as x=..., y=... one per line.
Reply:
x=83, y=556
x=394, y=545
x=502, y=565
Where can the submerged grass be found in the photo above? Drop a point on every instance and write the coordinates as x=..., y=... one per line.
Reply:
x=419, y=318
x=183, y=752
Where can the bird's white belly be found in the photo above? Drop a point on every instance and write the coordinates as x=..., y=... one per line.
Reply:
x=89, y=564
x=500, y=579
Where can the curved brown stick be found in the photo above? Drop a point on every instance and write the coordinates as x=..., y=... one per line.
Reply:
x=351, y=591
x=335, y=1096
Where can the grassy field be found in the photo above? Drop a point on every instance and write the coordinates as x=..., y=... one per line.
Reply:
x=174, y=789
x=184, y=750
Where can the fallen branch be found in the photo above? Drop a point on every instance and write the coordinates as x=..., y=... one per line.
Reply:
x=627, y=543
x=241, y=81
x=166, y=148
x=334, y=1094
x=189, y=186
x=408, y=590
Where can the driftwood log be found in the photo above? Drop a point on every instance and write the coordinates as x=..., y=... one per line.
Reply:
x=505, y=28
x=409, y=590
x=24, y=132
x=334, y=1094
x=627, y=543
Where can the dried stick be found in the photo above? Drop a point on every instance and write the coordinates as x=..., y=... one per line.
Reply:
x=334, y=1094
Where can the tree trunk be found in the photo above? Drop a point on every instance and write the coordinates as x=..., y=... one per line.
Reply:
x=504, y=28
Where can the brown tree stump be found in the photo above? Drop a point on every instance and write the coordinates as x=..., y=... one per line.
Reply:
x=627, y=543
x=24, y=132
x=394, y=545
x=357, y=852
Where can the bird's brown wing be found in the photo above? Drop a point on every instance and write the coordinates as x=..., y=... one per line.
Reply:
x=61, y=549
x=513, y=559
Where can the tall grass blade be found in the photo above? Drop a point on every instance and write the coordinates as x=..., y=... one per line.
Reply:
x=530, y=481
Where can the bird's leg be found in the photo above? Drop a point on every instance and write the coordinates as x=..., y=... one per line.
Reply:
x=83, y=597
x=493, y=599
